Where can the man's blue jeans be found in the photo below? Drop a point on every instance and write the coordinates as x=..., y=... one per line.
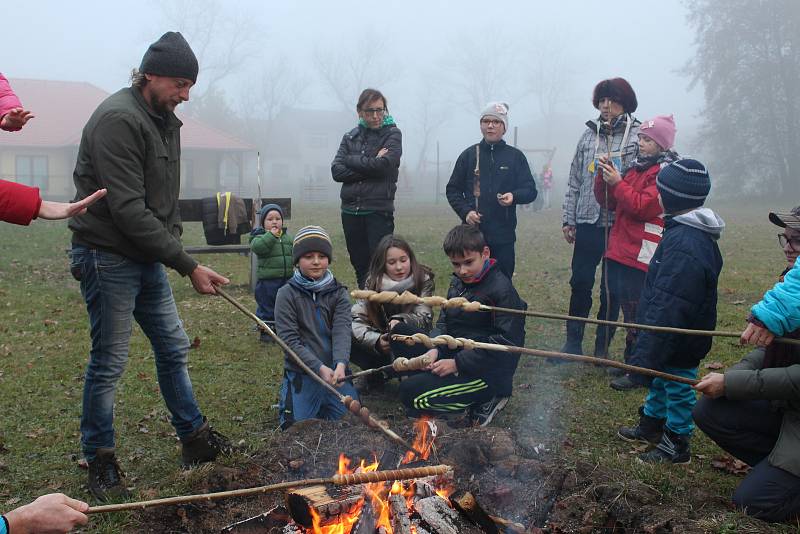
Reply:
x=117, y=290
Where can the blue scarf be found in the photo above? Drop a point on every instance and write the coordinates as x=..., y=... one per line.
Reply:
x=313, y=286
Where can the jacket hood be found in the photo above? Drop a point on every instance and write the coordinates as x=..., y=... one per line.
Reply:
x=703, y=219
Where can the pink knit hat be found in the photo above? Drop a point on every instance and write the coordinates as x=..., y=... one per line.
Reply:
x=660, y=129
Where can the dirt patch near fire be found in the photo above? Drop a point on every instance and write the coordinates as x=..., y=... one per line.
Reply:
x=512, y=476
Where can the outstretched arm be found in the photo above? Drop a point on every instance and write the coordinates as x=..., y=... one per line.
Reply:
x=50, y=513
x=64, y=210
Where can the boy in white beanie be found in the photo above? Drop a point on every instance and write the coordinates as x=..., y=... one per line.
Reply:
x=489, y=180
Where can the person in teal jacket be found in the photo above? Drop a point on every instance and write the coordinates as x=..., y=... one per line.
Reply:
x=778, y=312
x=273, y=245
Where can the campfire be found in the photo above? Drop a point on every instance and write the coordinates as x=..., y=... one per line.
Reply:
x=419, y=506
x=385, y=508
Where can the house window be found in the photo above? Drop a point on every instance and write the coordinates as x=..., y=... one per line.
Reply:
x=32, y=170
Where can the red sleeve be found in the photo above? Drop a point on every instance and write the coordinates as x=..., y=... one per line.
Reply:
x=600, y=193
x=8, y=100
x=19, y=204
x=642, y=204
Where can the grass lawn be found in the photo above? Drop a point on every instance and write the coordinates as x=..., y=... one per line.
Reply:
x=44, y=345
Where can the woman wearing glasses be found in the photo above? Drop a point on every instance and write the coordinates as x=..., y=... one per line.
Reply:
x=753, y=410
x=367, y=165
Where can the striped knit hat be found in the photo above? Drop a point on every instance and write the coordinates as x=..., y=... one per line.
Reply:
x=311, y=239
x=683, y=184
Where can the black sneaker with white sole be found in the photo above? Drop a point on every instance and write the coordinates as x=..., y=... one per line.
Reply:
x=483, y=414
x=671, y=449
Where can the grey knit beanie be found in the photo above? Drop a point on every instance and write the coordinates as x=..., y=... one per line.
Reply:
x=170, y=56
x=498, y=110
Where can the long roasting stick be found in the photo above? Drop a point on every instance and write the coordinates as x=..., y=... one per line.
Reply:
x=339, y=480
x=407, y=297
x=400, y=365
x=463, y=343
x=350, y=403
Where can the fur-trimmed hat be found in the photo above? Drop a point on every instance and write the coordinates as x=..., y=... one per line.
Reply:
x=618, y=90
x=683, y=184
x=311, y=239
x=170, y=56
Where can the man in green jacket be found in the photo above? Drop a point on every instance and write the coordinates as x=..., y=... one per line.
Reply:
x=120, y=247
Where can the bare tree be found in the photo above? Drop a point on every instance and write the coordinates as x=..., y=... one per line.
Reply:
x=482, y=69
x=748, y=62
x=367, y=65
x=223, y=43
x=279, y=86
x=549, y=77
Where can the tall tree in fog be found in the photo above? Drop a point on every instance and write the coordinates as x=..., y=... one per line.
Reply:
x=348, y=68
x=748, y=60
x=224, y=41
x=483, y=68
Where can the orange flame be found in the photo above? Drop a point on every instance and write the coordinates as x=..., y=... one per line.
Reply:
x=378, y=493
x=423, y=440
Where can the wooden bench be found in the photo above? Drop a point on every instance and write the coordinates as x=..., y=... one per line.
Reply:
x=191, y=211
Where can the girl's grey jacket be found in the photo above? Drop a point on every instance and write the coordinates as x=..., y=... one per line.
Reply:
x=315, y=325
x=366, y=334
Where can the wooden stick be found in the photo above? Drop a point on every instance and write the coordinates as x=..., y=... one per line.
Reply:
x=407, y=297
x=351, y=404
x=463, y=343
x=339, y=480
x=400, y=365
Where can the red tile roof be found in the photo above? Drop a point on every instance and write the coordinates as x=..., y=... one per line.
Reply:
x=61, y=110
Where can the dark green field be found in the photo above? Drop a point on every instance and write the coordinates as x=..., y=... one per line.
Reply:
x=44, y=345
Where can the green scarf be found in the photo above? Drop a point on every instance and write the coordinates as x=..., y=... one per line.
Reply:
x=388, y=120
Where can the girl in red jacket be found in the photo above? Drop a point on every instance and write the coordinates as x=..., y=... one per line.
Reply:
x=638, y=220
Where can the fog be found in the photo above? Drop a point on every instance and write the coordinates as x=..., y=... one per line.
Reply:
x=437, y=62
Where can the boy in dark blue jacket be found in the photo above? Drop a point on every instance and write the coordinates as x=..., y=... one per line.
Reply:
x=478, y=379
x=680, y=291
x=489, y=180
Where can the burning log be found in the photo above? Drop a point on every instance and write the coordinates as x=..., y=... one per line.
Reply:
x=331, y=504
x=438, y=516
x=465, y=502
x=401, y=524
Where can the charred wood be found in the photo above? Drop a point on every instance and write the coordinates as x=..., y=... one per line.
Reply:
x=401, y=524
x=465, y=502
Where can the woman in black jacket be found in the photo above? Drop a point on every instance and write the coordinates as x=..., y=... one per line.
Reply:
x=367, y=165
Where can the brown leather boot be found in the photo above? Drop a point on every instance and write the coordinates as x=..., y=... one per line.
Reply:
x=203, y=445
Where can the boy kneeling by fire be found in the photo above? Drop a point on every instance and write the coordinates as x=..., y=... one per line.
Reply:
x=477, y=381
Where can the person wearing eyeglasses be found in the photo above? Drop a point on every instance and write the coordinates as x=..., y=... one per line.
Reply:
x=752, y=411
x=488, y=181
x=367, y=164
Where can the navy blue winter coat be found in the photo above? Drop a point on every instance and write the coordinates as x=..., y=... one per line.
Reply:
x=680, y=290
x=503, y=169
